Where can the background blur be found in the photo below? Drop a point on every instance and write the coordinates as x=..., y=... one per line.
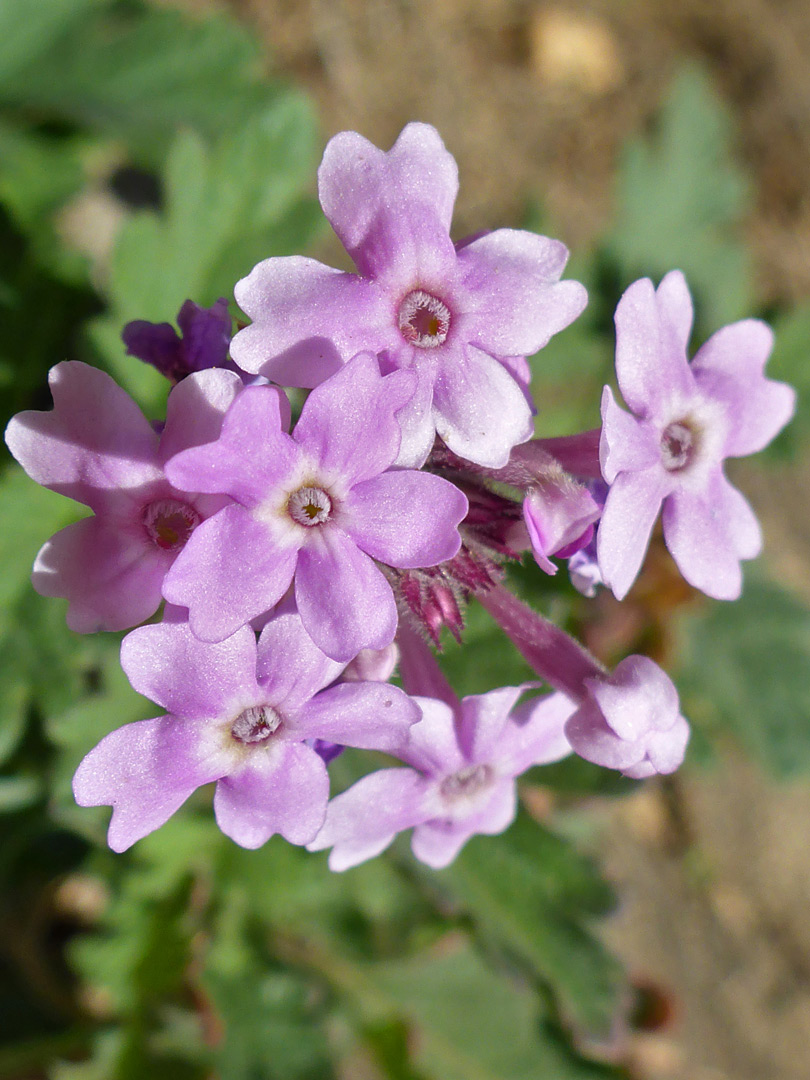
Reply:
x=154, y=152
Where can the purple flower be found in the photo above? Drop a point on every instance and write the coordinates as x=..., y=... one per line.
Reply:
x=97, y=447
x=559, y=514
x=461, y=780
x=463, y=318
x=317, y=507
x=631, y=721
x=205, y=335
x=238, y=715
x=685, y=419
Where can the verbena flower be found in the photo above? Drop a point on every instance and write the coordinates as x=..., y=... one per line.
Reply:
x=317, y=507
x=462, y=317
x=463, y=759
x=239, y=715
x=685, y=419
x=98, y=448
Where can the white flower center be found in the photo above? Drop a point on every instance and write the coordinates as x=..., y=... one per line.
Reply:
x=309, y=506
x=169, y=523
x=424, y=320
x=255, y=725
x=679, y=443
x=466, y=782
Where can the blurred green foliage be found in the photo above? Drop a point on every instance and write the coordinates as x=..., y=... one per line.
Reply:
x=188, y=957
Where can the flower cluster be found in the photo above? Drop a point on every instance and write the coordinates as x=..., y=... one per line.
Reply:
x=298, y=564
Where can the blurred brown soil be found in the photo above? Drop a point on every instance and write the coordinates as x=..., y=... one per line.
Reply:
x=535, y=98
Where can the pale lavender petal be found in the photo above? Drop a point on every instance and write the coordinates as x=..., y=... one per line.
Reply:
x=699, y=539
x=375, y=200
x=651, y=363
x=433, y=746
x=111, y=577
x=406, y=518
x=231, y=570
x=362, y=822
x=480, y=410
x=666, y=749
x=482, y=720
x=594, y=740
x=195, y=410
x=515, y=301
x=345, y=602
x=146, y=771
x=308, y=319
x=252, y=455
x=536, y=735
x=742, y=526
x=626, y=444
x=675, y=305
x=191, y=678
x=437, y=843
x=291, y=667
x=415, y=418
x=372, y=665
x=281, y=790
x=371, y=716
x=94, y=443
x=627, y=521
x=729, y=368
x=349, y=423
x=637, y=698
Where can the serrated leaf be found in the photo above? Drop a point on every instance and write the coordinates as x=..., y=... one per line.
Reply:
x=531, y=891
x=745, y=671
x=680, y=200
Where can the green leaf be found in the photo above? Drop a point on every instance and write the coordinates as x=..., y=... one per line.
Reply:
x=28, y=30
x=789, y=363
x=530, y=891
x=745, y=671
x=681, y=196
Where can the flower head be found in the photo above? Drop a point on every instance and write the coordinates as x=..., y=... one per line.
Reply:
x=461, y=317
x=463, y=758
x=685, y=419
x=241, y=715
x=98, y=448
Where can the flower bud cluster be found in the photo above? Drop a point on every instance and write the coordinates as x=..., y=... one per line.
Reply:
x=294, y=563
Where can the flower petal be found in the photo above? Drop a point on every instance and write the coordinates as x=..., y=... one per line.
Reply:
x=190, y=678
x=700, y=541
x=437, y=843
x=371, y=716
x=481, y=412
x=482, y=721
x=195, y=410
x=291, y=667
x=283, y=790
x=407, y=518
x=231, y=570
x=433, y=743
x=515, y=302
x=348, y=424
x=146, y=771
x=536, y=735
x=362, y=822
x=626, y=444
x=111, y=578
x=345, y=602
x=308, y=320
x=632, y=506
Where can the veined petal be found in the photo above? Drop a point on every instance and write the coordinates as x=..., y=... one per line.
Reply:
x=729, y=368
x=348, y=424
x=283, y=790
x=406, y=518
x=291, y=667
x=146, y=771
x=480, y=411
x=190, y=678
x=699, y=539
x=514, y=300
x=371, y=716
x=345, y=602
x=308, y=320
x=232, y=569
x=632, y=506
x=251, y=456
x=93, y=446
x=111, y=578
x=651, y=363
